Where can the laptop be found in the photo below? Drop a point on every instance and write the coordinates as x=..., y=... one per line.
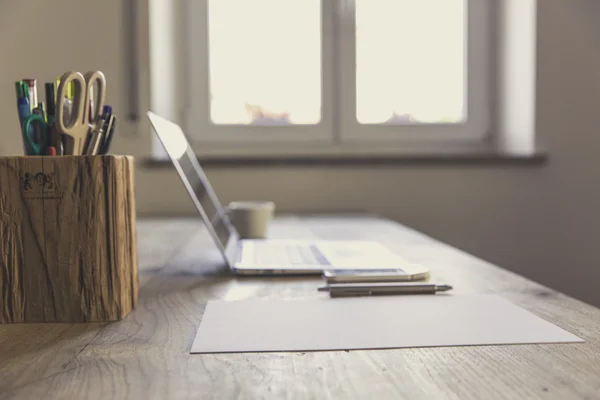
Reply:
x=269, y=256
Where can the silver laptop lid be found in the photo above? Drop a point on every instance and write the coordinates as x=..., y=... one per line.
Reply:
x=197, y=184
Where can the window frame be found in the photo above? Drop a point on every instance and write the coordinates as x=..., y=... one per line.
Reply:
x=338, y=128
x=477, y=78
x=197, y=117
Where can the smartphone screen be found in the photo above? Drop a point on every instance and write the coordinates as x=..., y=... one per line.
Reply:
x=365, y=275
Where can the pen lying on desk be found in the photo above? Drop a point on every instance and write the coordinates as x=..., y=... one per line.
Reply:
x=373, y=289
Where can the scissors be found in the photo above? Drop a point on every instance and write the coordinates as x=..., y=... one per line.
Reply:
x=36, y=134
x=75, y=129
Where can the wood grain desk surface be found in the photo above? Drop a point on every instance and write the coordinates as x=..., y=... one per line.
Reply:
x=146, y=356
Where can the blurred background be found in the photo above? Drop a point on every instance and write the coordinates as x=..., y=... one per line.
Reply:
x=475, y=122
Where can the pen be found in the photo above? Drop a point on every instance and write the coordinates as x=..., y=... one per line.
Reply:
x=23, y=108
x=96, y=138
x=109, y=133
x=40, y=109
x=50, y=101
x=56, y=147
x=33, y=97
x=23, y=105
x=372, y=289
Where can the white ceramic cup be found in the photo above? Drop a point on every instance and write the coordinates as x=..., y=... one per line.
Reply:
x=251, y=218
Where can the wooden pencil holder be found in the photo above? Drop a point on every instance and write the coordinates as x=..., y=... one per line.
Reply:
x=68, y=250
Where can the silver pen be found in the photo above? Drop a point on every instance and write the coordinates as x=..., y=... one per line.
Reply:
x=373, y=289
x=96, y=139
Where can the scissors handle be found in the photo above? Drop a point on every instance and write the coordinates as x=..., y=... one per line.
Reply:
x=95, y=94
x=87, y=90
x=75, y=128
x=35, y=134
x=80, y=111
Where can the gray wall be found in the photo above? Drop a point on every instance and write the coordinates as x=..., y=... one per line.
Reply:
x=541, y=222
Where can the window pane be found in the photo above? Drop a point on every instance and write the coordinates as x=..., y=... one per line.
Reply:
x=265, y=61
x=410, y=61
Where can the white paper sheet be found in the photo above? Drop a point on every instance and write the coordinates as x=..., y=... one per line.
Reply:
x=370, y=323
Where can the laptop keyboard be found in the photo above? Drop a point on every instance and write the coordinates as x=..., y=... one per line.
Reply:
x=269, y=253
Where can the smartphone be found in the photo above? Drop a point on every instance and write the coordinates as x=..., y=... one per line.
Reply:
x=414, y=273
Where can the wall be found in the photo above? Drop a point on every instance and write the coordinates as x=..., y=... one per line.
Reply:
x=539, y=221
x=43, y=39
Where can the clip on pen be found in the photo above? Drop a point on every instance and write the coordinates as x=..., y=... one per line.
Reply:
x=33, y=97
x=96, y=139
x=98, y=133
x=109, y=132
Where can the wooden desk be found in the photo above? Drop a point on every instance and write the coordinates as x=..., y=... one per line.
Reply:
x=146, y=356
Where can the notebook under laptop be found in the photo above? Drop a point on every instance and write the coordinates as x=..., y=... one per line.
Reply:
x=258, y=257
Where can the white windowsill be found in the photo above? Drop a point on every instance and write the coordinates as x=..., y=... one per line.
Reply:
x=356, y=155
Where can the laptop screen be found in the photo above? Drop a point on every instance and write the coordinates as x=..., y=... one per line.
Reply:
x=197, y=185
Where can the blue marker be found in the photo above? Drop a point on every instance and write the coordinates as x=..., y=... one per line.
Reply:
x=23, y=108
x=107, y=111
x=23, y=105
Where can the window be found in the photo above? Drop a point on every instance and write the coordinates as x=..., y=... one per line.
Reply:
x=265, y=62
x=334, y=73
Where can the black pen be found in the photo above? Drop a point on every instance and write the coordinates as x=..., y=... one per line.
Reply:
x=50, y=102
x=55, y=146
